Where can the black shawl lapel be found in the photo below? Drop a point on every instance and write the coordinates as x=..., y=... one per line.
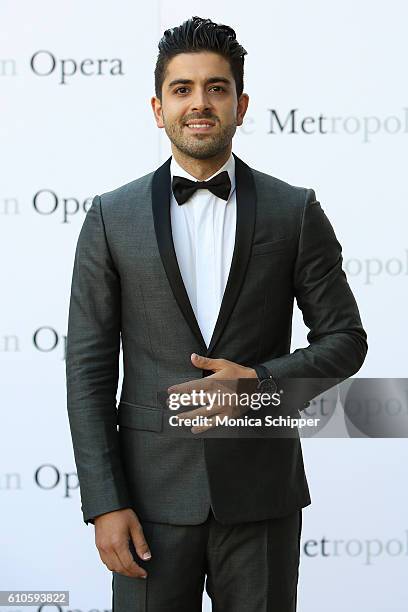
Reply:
x=161, y=193
x=246, y=209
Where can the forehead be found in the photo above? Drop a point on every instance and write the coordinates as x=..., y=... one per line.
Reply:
x=198, y=65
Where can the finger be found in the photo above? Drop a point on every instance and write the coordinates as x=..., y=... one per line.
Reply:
x=204, y=411
x=139, y=542
x=114, y=563
x=208, y=363
x=211, y=423
x=109, y=559
x=187, y=388
x=128, y=565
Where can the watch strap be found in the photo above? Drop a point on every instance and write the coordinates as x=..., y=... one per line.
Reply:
x=262, y=372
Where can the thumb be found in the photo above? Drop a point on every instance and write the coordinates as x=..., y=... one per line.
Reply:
x=139, y=541
x=205, y=363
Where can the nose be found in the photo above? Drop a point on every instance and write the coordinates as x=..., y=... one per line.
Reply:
x=201, y=102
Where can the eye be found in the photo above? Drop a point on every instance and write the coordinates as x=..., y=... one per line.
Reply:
x=219, y=87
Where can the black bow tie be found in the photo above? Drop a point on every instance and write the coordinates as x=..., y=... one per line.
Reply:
x=183, y=188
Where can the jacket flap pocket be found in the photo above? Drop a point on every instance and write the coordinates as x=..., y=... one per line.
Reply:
x=267, y=247
x=140, y=417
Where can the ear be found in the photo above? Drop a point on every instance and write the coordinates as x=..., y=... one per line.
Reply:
x=242, y=108
x=157, y=110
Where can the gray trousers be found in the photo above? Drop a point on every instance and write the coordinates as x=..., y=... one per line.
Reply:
x=249, y=567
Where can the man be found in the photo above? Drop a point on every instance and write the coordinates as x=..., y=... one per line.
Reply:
x=198, y=282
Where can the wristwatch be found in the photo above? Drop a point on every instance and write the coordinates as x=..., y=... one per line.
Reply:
x=266, y=382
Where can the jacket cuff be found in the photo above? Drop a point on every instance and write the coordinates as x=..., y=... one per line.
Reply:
x=89, y=517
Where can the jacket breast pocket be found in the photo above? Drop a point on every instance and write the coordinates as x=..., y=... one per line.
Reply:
x=136, y=416
x=281, y=244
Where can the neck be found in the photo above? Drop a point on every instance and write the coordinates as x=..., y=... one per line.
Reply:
x=201, y=169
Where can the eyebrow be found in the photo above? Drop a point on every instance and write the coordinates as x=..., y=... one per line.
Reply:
x=215, y=79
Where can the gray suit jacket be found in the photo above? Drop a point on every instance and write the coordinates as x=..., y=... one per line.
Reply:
x=127, y=287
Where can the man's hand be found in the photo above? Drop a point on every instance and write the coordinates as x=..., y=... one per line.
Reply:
x=112, y=533
x=224, y=370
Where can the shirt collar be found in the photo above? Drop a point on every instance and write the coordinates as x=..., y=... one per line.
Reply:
x=229, y=166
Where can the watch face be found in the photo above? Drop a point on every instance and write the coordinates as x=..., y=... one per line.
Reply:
x=267, y=386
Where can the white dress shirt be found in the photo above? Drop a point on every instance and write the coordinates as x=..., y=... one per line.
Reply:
x=203, y=231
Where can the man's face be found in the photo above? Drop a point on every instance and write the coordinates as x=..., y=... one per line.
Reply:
x=199, y=86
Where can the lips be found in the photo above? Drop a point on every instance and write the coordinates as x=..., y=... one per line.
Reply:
x=200, y=122
x=200, y=126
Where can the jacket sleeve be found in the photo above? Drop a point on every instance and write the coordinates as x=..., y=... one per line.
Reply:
x=337, y=340
x=92, y=370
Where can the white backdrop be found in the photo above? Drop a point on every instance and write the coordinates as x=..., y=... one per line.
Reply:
x=66, y=138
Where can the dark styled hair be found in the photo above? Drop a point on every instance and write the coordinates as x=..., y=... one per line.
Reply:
x=194, y=35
